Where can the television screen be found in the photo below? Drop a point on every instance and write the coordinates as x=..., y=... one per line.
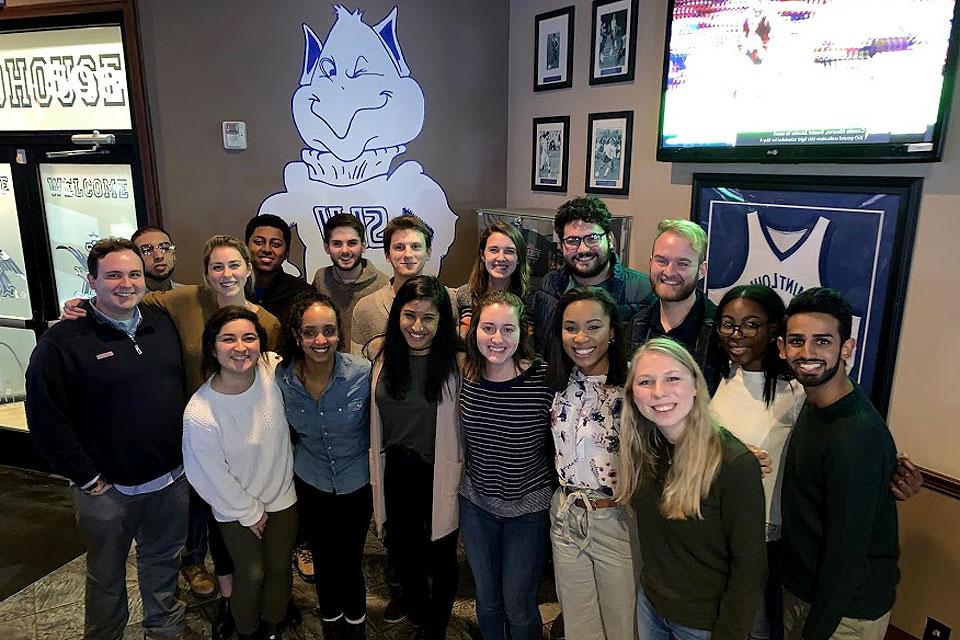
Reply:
x=806, y=80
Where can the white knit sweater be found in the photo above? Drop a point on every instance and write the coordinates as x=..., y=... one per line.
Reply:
x=236, y=448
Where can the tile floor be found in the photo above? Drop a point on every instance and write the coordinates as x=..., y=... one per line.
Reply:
x=52, y=607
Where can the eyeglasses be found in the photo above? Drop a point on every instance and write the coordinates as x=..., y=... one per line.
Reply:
x=163, y=247
x=747, y=329
x=592, y=240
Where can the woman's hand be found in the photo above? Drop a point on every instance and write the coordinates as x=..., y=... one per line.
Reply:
x=907, y=479
x=766, y=463
x=72, y=310
x=259, y=526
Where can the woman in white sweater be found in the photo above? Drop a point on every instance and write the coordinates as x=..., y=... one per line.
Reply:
x=238, y=457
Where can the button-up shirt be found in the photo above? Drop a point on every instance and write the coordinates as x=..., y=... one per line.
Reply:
x=333, y=434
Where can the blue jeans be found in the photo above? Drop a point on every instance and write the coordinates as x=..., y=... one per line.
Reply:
x=506, y=556
x=653, y=626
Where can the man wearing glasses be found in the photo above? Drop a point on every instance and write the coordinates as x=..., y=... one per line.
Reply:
x=583, y=226
x=677, y=308
x=159, y=257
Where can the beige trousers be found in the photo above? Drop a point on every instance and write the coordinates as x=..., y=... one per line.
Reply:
x=795, y=613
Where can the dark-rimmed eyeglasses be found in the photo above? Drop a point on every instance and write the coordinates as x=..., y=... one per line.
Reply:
x=747, y=329
x=163, y=247
x=592, y=240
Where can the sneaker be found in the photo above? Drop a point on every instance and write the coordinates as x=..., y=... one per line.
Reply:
x=395, y=611
x=304, y=560
x=199, y=580
x=556, y=628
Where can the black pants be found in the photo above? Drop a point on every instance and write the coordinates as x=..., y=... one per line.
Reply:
x=200, y=524
x=427, y=569
x=336, y=528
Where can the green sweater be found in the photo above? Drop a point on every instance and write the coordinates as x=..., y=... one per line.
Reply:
x=707, y=574
x=840, y=545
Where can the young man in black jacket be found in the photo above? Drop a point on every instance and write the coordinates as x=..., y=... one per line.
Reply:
x=105, y=401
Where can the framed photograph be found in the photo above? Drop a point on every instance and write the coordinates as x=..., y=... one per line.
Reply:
x=551, y=141
x=553, y=50
x=793, y=233
x=609, y=137
x=613, y=41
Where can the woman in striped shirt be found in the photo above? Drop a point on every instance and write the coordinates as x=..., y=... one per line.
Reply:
x=506, y=491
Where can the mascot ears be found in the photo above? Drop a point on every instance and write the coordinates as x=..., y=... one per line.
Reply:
x=311, y=54
x=387, y=30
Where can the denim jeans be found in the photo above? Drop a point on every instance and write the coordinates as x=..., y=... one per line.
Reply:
x=652, y=626
x=506, y=556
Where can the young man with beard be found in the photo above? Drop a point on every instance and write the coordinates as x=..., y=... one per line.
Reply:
x=583, y=226
x=840, y=545
x=677, y=308
x=351, y=276
x=159, y=257
x=268, y=240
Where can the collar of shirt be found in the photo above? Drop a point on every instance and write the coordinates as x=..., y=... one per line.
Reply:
x=686, y=332
x=129, y=327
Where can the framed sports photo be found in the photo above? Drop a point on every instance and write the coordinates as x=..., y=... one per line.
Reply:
x=793, y=233
x=613, y=41
x=609, y=137
x=551, y=141
x=553, y=50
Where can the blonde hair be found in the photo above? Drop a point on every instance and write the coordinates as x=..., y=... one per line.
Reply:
x=690, y=231
x=696, y=458
x=218, y=241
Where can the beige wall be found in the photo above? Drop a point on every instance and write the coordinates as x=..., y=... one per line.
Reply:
x=205, y=62
x=924, y=402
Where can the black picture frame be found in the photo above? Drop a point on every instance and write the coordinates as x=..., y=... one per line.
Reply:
x=608, y=160
x=613, y=56
x=550, y=149
x=553, y=67
x=853, y=234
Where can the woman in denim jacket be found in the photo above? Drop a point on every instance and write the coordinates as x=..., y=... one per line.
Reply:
x=327, y=398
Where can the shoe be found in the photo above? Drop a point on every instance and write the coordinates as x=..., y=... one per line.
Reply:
x=350, y=631
x=304, y=560
x=270, y=631
x=556, y=628
x=199, y=580
x=395, y=611
x=223, y=625
x=292, y=618
x=332, y=629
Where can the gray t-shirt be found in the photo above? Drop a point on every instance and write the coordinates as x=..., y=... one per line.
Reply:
x=411, y=422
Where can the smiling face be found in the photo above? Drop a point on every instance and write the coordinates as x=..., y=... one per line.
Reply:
x=267, y=249
x=675, y=267
x=813, y=349
x=318, y=334
x=748, y=352
x=119, y=285
x=586, y=262
x=344, y=248
x=586, y=336
x=407, y=253
x=157, y=263
x=227, y=272
x=237, y=347
x=663, y=391
x=498, y=336
x=418, y=323
x=499, y=257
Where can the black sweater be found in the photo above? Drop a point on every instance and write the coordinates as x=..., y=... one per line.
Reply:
x=101, y=403
x=839, y=517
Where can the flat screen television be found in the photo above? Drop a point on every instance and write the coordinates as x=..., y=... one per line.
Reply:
x=807, y=80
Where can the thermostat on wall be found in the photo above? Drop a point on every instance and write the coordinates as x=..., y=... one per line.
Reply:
x=234, y=135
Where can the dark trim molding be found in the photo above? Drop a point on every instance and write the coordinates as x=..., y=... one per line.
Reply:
x=896, y=633
x=940, y=483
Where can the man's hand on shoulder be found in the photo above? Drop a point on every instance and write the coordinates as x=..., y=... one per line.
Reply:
x=907, y=479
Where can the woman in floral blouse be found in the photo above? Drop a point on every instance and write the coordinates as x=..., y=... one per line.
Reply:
x=593, y=537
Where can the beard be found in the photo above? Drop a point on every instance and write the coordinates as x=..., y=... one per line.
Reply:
x=602, y=263
x=815, y=381
x=336, y=263
x=673, y=294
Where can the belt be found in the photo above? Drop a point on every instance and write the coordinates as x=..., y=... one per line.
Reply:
x=596, y=503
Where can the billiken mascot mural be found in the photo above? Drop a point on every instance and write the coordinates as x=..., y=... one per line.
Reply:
x=356, y=109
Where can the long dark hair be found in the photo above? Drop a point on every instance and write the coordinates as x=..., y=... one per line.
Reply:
x=442, y=359
x=473, y=366
x=290, y=346
x=519, y=279
x=774, y=367
x=559, y=363
x=209, y=364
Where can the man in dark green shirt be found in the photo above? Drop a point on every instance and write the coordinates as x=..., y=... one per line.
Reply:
x=840, y=546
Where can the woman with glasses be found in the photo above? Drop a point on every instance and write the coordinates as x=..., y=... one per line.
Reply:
x=326, y=394
x=501, y=266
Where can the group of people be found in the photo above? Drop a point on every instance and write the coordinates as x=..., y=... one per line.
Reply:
x=693, y=470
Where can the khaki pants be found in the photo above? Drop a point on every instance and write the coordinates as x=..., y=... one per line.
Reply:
x=795, y=612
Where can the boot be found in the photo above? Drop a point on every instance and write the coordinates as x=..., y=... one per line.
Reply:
x=292, y=618
x=223, y=625
x=332, y=629
x=353, y=631
x=270, y=631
